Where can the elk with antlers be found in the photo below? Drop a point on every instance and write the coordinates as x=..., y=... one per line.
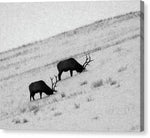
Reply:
x=71, y=64
x=41, y=87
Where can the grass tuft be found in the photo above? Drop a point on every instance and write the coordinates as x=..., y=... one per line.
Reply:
x=76, y=106
x=122, y=69
x=63, y=95
x=34, y=108
x=111, y=82
x=16, y=121
x=83, y=83
x=22, y=110
x=89, y=99
x=98, y=83
x=57, y=114
x=25, y=120
x=95, y=118
x=118, y=49
x=20, y=121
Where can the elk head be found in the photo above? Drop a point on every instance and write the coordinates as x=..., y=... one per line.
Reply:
x=87, y=61
x=54, y=83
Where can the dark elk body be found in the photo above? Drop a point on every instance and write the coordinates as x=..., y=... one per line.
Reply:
x=41, y=87
x=70, y=65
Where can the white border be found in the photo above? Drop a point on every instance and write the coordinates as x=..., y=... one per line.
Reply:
x=146, y=133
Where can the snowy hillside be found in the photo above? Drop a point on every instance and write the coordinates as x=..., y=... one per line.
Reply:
x=104, y=98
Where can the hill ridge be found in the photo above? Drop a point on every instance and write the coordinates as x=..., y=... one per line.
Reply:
x=72, y=31
x=96, y=36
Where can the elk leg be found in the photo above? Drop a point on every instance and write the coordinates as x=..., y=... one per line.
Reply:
x=71, y=72
x=33, y=97
x=59, y=75
x=40, y=95
x=30, y=97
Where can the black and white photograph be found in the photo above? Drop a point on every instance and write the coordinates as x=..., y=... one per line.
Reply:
x=72, y=66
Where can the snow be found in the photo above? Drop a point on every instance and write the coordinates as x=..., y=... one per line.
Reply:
x=106, y=97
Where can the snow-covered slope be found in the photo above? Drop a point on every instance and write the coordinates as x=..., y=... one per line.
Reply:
x=105, y=98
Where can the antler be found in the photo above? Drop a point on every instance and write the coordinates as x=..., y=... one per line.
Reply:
x=87, y=61
x=54, y=84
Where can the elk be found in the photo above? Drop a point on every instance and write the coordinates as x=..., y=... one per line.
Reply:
x=70, y=65
x=41, y=87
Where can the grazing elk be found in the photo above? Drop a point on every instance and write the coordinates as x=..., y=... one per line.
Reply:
x=71, y=64
x=41, y=87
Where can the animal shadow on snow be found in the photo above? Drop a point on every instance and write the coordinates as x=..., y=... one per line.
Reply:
x=38, y=99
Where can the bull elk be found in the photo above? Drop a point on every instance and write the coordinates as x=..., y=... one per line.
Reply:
x=41, y=87
x=71, y=64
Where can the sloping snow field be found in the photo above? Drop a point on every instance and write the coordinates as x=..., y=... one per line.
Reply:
x=106, y=97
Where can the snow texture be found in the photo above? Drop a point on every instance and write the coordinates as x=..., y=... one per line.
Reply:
x=106, y=97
